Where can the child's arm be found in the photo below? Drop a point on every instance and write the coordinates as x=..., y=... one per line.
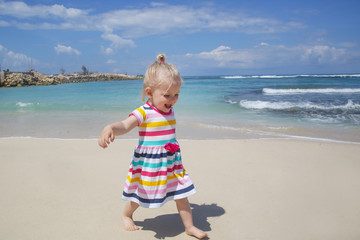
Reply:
x=115, y=129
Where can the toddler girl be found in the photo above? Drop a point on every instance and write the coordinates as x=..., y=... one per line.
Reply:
x=156, y=173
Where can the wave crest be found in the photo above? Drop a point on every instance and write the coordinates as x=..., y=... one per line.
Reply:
x=22, y=105
x=302, y=105
x=295, y=76
x=271, y=91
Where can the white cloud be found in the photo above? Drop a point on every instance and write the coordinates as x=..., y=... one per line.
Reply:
x=117, y=41
x=164, y=18
x=157, y=4
x=158, y=18
x=270, y=56
x=107, y=51
x=219, y=54
x=66, y=49
x=22, y=10
x=122, y=26
x=324, y=54
x=15, y=61
x=111, y=61
x=4, y=23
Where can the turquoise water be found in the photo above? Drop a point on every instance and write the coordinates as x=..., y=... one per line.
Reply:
x=211, y=107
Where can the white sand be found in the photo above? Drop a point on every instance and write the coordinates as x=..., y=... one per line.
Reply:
x=247, y=189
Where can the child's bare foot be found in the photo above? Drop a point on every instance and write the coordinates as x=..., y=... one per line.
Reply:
x=129, y=224
x=194, y=231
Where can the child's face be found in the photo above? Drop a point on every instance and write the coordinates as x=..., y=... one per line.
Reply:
x=163, y=97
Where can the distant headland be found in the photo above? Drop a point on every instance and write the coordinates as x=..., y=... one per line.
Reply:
x=33, y=78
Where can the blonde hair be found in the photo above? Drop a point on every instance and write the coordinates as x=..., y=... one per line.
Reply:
x=158, y=73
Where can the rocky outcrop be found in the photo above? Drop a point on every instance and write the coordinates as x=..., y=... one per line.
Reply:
x=95, y=77
x=20, y=79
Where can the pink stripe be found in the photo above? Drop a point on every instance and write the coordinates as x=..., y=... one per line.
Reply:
x=150, y=174
x=153, y=115
x=157, y=133
x=149, y=147
x=157, y=191
x=155, y=174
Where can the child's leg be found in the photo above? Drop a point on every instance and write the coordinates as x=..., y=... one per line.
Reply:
x=184, y=209
x=127, y=214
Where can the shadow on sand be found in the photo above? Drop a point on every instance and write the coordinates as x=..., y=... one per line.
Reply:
x=170, y=225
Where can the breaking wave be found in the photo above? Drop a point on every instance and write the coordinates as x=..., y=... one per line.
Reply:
x=299, y=105
x=294, y=76
x=22, y=104
x=271, y=91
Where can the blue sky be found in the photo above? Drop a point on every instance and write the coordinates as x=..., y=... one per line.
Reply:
x=218, y=37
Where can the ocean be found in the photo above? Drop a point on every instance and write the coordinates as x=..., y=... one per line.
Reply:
x=322, y=107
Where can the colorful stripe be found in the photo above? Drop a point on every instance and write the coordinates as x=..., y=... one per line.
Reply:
x=155, y=165
x=154, y=183
x=159, y=200
x=156, y=175
x=158, y=124
x=153, y=155
x=157, y=133
x=157, y=143
x=156, y=191
x=142, y=112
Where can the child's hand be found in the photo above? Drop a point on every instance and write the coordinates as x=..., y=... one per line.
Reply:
x=106, y=136
x=116, y=129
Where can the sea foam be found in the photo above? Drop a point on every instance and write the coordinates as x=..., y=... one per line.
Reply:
x=21, y=104
x=293, y=76
x=291, y=105
x=271, y=91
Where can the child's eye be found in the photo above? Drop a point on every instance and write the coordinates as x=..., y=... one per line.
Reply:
x=169, y=96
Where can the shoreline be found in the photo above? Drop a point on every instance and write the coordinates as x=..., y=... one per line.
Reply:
x=42, y=127
x=56, y=188
x=289, y=138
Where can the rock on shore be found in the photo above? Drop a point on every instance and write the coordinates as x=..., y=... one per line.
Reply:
x=21, y=79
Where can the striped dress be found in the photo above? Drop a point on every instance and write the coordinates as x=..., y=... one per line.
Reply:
x=156, y=174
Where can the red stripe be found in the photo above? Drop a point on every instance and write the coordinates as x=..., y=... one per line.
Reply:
x=157, y=133
x=155, y=174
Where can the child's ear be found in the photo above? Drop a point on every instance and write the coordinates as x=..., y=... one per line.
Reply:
x=148, y=92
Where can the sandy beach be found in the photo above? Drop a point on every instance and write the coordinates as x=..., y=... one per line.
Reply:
x=246, y=189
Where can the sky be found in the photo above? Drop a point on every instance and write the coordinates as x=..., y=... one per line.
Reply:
x=219, y=37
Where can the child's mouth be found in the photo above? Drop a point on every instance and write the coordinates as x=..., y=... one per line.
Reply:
x=168, y=106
